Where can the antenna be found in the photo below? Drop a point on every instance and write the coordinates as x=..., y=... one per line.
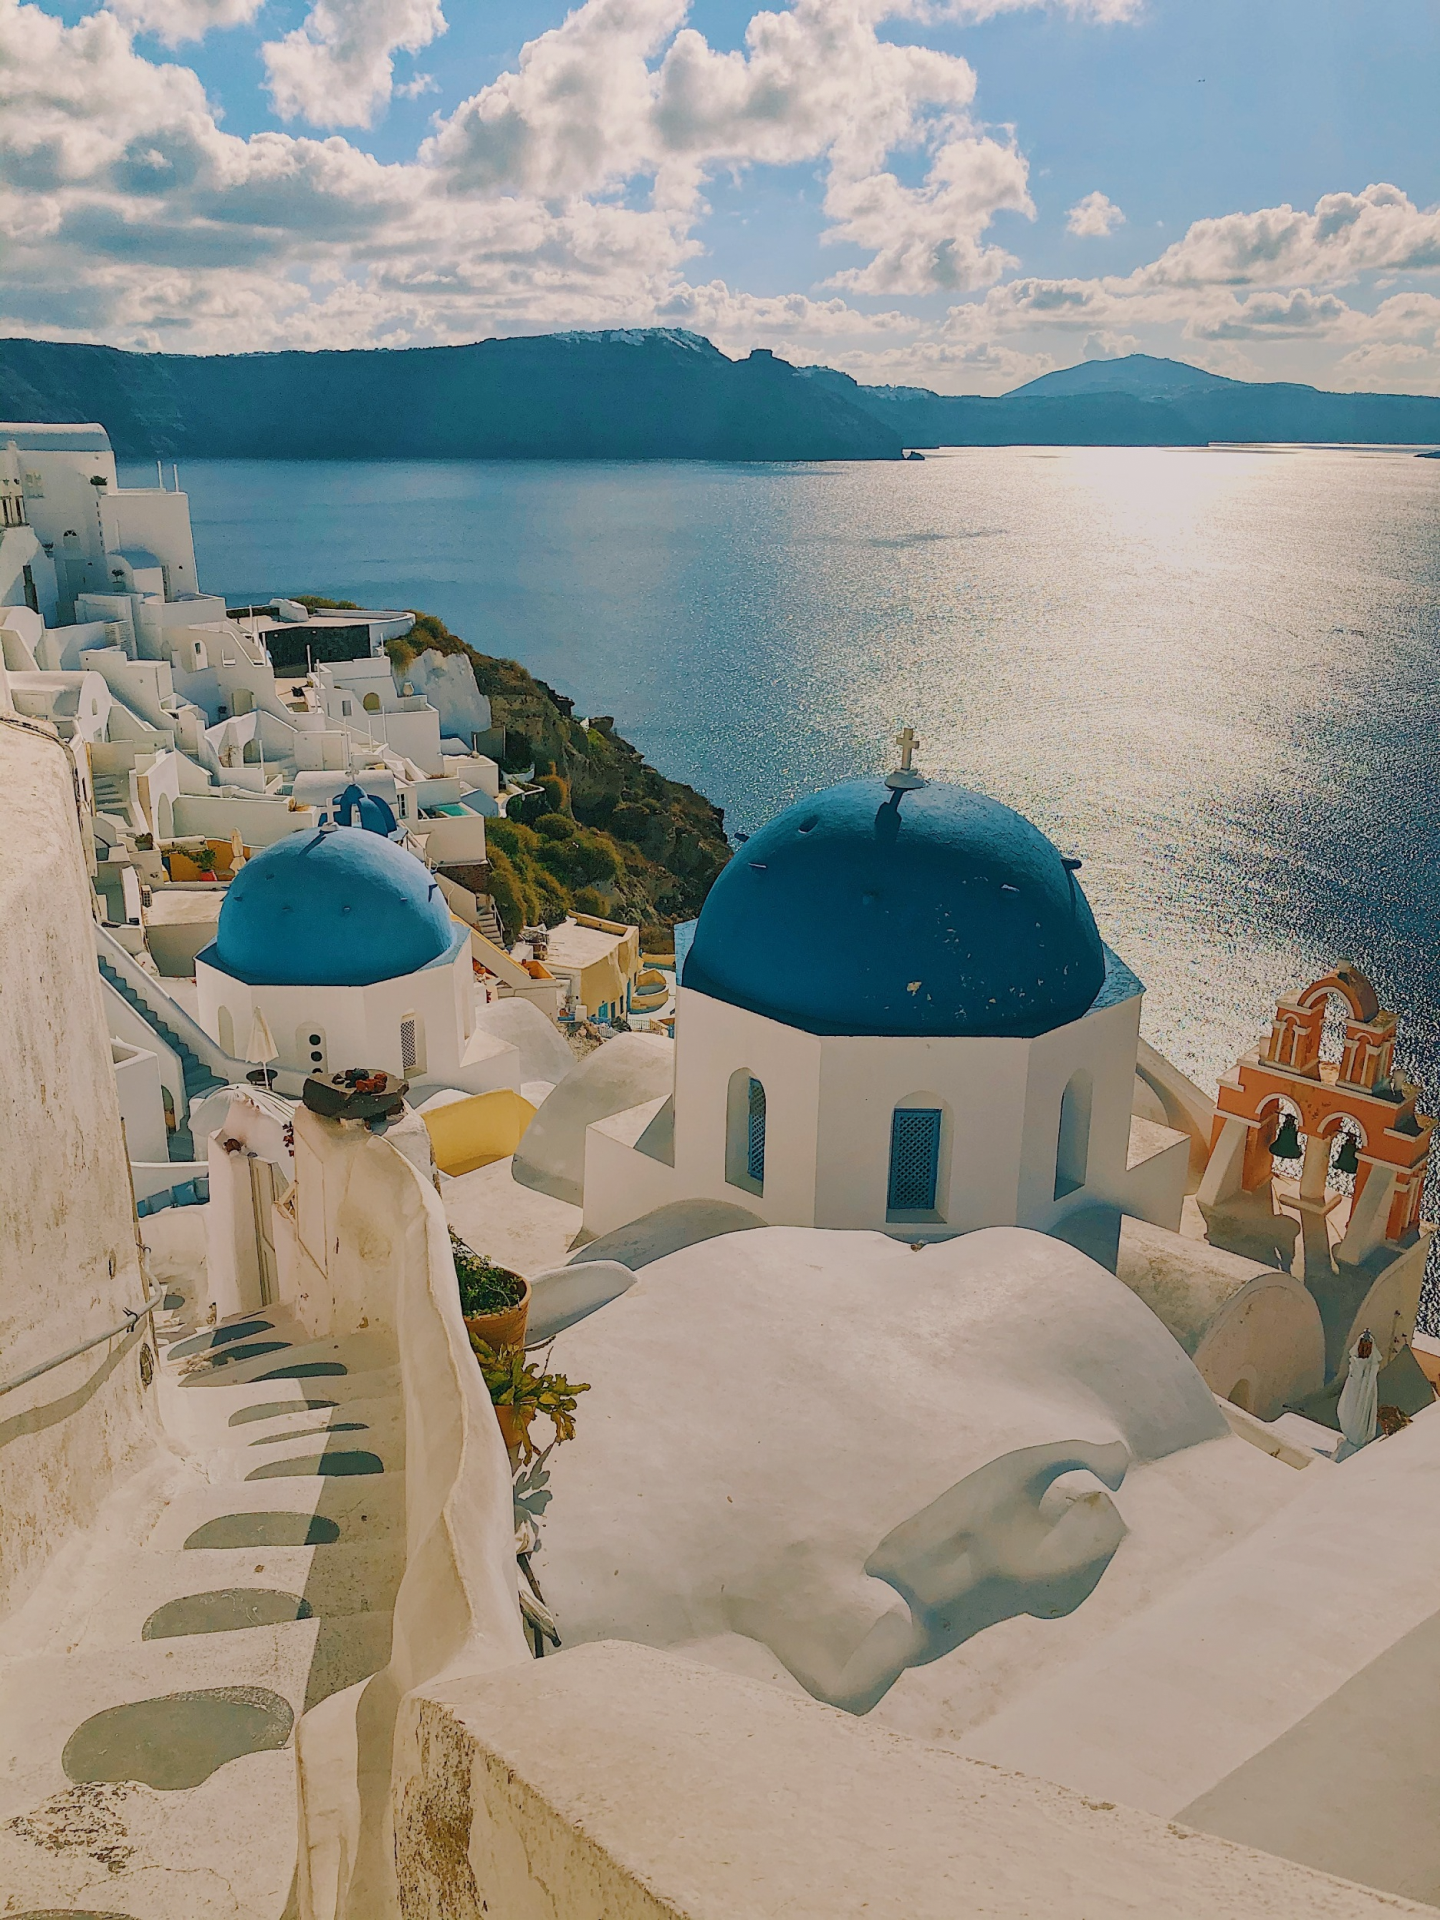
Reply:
x=175, y=474
x=159, y=476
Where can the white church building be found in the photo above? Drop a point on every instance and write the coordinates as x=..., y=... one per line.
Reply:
x=897, y=1013
x=342, y=941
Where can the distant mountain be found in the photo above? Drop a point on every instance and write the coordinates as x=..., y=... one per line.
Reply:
x=1141, y=401
x=1138, y=374
x=646, y=394
x=653, y=393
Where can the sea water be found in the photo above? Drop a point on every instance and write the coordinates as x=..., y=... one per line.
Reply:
x=1210, y=673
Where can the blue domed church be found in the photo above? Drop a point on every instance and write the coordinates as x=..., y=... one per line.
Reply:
x=897, y=1012
x=343, y=941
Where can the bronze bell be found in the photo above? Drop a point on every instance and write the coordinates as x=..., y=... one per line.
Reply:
x=1348, y=1158
x=1286, y=1144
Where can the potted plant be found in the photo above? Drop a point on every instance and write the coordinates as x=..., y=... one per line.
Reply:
x=519, y=1389
x=494, y=1301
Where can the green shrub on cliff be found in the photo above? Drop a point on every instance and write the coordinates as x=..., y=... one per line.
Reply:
x=605, y=834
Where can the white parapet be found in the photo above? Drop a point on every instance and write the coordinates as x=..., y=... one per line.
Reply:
x=617, y=1783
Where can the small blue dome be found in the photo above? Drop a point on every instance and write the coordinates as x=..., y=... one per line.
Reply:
x=931, y=912
x=355, y=808
x=337, y=909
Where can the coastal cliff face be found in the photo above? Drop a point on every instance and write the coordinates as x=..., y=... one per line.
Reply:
x=606, y=833
x=652, y=393
x=657, y=393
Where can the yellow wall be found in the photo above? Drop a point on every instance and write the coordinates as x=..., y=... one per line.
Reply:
x=471, y=1133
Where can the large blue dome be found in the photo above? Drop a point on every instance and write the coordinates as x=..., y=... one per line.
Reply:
x=342, y=908
x=930, y=912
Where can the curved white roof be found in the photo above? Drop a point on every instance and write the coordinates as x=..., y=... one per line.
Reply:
x=40, y=436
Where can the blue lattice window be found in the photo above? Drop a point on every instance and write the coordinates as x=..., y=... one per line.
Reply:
x=755, y=1134
x=914, y=1159
x=745, y=1132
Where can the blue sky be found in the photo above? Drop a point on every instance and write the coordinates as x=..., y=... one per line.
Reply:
x=960, y=194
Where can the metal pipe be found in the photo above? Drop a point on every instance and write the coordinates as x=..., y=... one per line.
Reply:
x=133, y=1317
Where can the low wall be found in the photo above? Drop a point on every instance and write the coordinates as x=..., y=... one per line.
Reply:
x=617, y=1783
x=466, y=1134
x=363, y=1242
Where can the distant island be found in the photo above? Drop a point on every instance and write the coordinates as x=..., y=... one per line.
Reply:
x=646, y=394
x=1142, y=401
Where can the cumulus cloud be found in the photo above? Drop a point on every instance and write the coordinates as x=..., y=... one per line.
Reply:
x=337, y=68
x=1347, y=234
x=1094, y=217
x=571, y=191
x=1390, y=367
x=175, y=21
x=1273, y=316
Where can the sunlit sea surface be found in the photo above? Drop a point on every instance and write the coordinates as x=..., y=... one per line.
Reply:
x=1210, y=673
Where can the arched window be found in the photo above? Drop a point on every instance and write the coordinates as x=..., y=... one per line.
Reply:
x=914, y=1160
x=745, y=1132
x=1072, y=1147
x=227, y=1031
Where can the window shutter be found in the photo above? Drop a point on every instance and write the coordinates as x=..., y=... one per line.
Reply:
x=914, y=1159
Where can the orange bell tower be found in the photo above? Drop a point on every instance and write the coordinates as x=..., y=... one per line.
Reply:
x=1287, y=1077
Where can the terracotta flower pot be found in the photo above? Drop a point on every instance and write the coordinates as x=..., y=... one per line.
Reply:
x=515, y=1429
x=501, y=1330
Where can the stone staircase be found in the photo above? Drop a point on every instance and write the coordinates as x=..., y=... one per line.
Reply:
x=198, y=1077
x=112, y=794
x=488, y=921
x=150, y=1689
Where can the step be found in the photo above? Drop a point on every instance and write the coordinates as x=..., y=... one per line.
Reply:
x=362, y=1455
x=346, y=1511
x=350, y=1357
x=218, y=1850
x=148, y=1594
x=252, y=1426
x=202, y=1835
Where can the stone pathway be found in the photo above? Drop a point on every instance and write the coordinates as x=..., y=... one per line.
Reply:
x=149, y=1689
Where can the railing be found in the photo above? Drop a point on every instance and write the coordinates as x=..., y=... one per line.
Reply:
x=133, y=1317
x=174, y=1016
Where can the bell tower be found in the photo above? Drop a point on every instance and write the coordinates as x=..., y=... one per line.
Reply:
x=1361, y=1103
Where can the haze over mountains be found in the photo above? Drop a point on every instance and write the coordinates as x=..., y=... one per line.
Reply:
x=647, y=393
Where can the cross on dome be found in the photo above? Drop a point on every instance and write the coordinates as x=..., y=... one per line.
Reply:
x=905, y=778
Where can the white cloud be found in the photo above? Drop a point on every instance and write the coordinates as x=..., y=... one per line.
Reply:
x=1094, y=217
x=337, y=68
x=1346, y=235
x=1273, y=316
x=1390, y=367
x=572, y=192
x=622, y=90
x=175, y=21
